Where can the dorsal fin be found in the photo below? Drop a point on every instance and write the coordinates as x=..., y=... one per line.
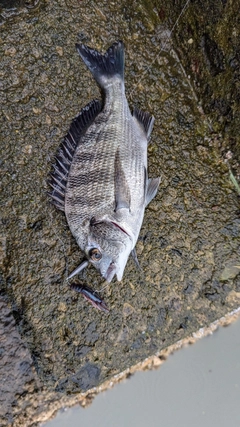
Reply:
x=63, y=159
x=145, y=120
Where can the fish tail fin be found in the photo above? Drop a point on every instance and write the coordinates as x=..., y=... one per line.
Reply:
x=104, y=67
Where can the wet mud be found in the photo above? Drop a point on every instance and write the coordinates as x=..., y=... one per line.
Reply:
x=189, y=246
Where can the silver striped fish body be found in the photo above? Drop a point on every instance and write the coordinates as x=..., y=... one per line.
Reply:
x=106, y=188
x=90, y=192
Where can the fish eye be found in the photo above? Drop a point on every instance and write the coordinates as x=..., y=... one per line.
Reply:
x=95, y=254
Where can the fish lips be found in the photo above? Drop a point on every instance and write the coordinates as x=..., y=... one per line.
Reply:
x=110, y=273
x=116, y=268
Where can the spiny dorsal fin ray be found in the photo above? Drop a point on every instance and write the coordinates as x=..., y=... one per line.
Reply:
x=80, y=124
x=122, y=192
x=145, y=120
x=63, y=159
x=152, y=188
x=103, y=66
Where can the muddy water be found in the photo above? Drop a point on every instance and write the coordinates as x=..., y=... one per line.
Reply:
x=190, y=233
x=198, y=386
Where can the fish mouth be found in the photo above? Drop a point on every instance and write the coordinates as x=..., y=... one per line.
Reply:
x=110, y=273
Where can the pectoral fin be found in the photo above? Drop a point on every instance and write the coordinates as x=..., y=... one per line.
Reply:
x=152, y=188
x=122, y=192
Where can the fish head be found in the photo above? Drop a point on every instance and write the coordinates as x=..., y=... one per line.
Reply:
x=108, y=249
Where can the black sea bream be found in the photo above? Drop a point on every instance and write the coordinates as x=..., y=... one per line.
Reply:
x=100, y=175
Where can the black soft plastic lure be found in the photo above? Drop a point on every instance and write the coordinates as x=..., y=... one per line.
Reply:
x=90, y=296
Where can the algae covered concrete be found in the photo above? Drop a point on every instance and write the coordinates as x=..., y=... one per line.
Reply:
x=189, y=244
x=207, y=38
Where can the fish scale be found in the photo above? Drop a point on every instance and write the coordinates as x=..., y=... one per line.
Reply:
x=101, y=182
x=100, y=176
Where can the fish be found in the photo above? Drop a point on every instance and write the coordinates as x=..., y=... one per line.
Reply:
x=99, y=178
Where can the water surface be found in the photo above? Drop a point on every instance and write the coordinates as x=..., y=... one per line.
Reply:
x=197, y=386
